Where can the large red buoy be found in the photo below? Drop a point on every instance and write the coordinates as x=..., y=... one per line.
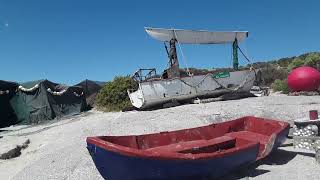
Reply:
x=304, y=79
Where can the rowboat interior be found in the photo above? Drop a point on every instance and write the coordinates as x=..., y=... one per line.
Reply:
x=203, y=142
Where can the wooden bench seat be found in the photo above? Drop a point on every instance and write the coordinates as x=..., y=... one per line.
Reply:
x=197, y=146
x=250, y=136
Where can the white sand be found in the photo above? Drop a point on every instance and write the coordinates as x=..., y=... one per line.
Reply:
x=58, y=150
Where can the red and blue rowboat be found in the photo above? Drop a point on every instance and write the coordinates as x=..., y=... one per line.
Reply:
x=198, y=153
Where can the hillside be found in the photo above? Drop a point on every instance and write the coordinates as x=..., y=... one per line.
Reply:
x=308, y=59
x=272, y=69
x=280, y=68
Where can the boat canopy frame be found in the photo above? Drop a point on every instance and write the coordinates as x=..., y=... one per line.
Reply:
x=144, y=74
x=181, y=36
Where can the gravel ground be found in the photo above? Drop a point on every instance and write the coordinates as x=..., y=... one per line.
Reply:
x=58, y=150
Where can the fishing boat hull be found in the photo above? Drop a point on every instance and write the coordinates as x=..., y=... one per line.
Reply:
x=157, y=92
x=204, y=152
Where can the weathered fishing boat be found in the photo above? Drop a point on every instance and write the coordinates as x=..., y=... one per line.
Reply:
x=204, y=152
x=171, y=86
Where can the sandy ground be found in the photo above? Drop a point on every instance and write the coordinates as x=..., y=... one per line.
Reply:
x=58, y=150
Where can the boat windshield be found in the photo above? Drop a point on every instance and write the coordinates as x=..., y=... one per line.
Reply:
x=145, y=75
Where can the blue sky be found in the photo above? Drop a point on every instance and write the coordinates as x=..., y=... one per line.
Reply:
x=67, y=41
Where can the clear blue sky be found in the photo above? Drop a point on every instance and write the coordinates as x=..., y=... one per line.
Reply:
x=70, y=40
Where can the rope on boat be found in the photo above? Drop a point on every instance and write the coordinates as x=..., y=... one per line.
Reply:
x=250, y=62
x=194, y=86
x=211, y=75
x=244, y=55
x=21, y=88
x=182, y=54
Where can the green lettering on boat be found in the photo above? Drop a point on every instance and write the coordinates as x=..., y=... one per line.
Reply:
x=221, y=75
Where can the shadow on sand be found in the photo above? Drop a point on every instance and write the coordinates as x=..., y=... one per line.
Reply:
x=278, y=157
x=281, y=157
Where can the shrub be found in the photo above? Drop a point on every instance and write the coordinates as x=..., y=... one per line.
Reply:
x=113, y=96
x=313, y=60
x=297, y=62
x=280, y=85
x=270, y=73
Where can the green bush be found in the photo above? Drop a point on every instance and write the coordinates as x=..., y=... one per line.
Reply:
x=113, y=96
x=313, y=60
x=270, y=72
x=297, y=62
x=280, y=85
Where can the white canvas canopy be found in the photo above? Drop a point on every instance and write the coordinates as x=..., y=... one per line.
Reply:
x=196, y=37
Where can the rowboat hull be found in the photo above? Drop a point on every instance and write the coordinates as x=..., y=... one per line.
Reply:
x=198, y=153
x=114, y=166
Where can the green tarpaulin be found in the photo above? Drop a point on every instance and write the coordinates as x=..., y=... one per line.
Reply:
x=91, y=89
x=7, y=115
x=42, y=100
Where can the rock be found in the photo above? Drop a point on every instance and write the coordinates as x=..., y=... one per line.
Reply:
x=12, y=153
x=15, y=152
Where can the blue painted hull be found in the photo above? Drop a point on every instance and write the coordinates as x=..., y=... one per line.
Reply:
x=114, y=166
x=281, y=138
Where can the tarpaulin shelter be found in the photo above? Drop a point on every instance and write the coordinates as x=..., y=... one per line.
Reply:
x=7, y=115
x=91, y=89
x=44, y=100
